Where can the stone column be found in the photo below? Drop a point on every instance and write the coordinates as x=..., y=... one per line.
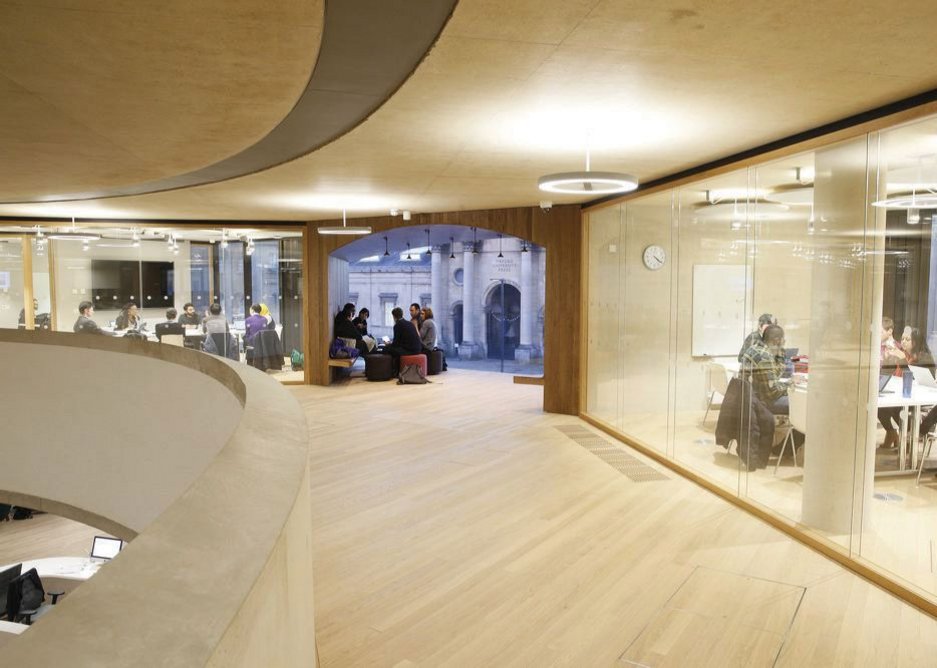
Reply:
x=525, y=351
x=437, y=283
x=469, y=348
x=845, y=317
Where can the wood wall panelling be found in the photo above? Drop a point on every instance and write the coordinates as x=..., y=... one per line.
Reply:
x=559, y=231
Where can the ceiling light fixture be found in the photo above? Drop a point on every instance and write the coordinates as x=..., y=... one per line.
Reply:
x=386, y=252
x=912, y=200
x=500, y=245
x=406, y=215
x=73, y=235
x=344, y=228
x=429, y=245
x=474, y=241
x=408, y=251
x=587, y=182
x=451, y=248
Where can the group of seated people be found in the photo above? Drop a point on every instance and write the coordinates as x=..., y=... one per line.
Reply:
x=895, y=359
x=418, y=335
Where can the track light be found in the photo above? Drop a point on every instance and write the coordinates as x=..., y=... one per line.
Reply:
x=500, y=245
x=386, y=252
x=429, y=245
x=474, y=241
x=451, y=248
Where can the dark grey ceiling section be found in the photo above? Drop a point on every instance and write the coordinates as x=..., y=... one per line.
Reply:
x=368, y=49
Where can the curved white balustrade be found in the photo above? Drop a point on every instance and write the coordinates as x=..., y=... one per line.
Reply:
x=203, y=460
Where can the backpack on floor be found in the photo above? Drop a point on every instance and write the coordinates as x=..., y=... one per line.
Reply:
x=412, y=374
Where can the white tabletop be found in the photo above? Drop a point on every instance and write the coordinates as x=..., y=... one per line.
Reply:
x=67, y=568
x=892, y=398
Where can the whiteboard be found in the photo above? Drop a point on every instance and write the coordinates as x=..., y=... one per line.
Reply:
x=718, y=309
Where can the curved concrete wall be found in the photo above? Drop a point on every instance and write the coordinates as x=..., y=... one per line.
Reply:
x=120, y=436
x=221, y=571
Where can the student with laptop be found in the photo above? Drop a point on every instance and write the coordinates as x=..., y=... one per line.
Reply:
x=912, y=350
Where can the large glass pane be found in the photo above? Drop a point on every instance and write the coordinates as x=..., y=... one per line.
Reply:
x=899, y=530
x=604, y=357
x=42, y=284
x=646, y=279
x=11, y=281
x=712, y=320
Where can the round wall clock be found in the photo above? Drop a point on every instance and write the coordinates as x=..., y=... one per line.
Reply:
x=654, y=257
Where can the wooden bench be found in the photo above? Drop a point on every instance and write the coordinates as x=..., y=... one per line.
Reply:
x=343, y=363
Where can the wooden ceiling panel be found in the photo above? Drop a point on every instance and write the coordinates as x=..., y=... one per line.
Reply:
x=159, y=87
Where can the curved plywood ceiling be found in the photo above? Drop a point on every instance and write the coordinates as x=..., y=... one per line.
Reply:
x=514, y=90
x=368, y=48
x=101, y=94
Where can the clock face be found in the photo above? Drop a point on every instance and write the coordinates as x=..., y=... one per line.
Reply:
x=654, y=257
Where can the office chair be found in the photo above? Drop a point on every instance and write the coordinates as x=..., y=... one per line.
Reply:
x=25, y=596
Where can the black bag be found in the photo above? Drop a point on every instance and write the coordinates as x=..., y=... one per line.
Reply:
x=5, y=512
x=411, y=374
x=22, y=513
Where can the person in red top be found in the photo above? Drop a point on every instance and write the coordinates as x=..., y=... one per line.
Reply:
x=913, y=350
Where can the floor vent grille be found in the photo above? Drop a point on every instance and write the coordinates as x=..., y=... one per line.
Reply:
x=618, y=459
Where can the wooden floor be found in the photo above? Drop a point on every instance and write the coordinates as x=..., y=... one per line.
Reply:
x=44, y=536
x=456, y=525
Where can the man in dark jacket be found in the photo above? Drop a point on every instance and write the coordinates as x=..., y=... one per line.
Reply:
x=406, y=338
x=84, y=324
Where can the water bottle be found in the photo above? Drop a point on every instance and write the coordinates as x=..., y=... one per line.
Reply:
x=907, y=378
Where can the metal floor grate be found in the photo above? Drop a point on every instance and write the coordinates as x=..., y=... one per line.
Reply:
x=618, y=459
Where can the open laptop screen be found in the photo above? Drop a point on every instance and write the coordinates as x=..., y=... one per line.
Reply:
x=105, y=548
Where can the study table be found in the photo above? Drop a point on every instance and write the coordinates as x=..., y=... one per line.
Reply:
x=65, y=568
x=891, y=397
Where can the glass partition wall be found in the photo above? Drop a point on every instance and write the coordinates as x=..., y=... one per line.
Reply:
x=770, y=329
x=138, y=274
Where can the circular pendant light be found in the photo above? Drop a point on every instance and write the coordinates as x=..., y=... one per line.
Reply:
x=587, y=182
x=344, y=228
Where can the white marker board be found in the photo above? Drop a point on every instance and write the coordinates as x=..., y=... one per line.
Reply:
x=718, y=309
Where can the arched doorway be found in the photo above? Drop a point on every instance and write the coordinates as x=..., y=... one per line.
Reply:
x=503, y=322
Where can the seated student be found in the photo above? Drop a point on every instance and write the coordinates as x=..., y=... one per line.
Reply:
x=428, y=333
x=254, y=323
x=189, y=317
x=215, y=323
x=416, y=316
x=912, y=350
x=888, y=346
x=764, y=321
x=84, y=324
x=406, y=340
x=343, y=327
x=268, y=317
x=41, y=320
x=361, y=321
x=128, y=318
x=763, y=365
x=171, y=326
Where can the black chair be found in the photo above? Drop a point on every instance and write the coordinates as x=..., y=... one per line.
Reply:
x=6, y=577
x=222, y=345
x=25, y=596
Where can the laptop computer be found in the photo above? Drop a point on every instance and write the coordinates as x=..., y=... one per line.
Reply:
x=104, y=547
x=923, y=377
x=883, y=379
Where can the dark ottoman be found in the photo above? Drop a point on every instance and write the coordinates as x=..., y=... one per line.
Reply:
x=378, y=367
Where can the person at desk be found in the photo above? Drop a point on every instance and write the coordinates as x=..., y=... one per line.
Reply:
x=128, y=318
x=343, y=327
x=888, y=345
x=254, y=323
x=763, y=365
x=41, y=320
x=406, y=339
x=84, y=324
x=267, y=316
x=912, y=350
x=765, y=320
x=189, y=317
x=215, y=323
x=171, y=326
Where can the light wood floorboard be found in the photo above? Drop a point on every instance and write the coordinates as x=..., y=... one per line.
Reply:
x=454, y=525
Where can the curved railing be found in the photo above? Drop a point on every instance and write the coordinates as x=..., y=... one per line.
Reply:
x=202, y=463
